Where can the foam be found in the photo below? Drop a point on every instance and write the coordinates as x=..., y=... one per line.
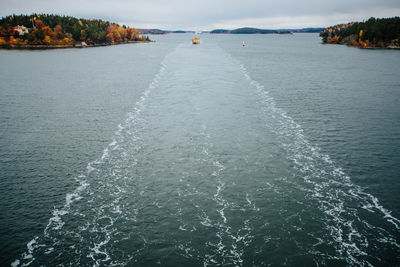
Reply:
x=15, y=263
x=205, y=220
x=55, y=222
x=329, y=192
x=27, y=256
x=386, y=212
x=96, y=251
x=230, y=244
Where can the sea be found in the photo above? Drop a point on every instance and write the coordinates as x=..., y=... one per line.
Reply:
x=282, y=152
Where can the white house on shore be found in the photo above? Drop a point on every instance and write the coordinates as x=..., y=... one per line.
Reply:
x=20, y=29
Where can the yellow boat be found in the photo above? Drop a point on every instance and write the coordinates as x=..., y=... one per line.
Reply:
x=196, y=40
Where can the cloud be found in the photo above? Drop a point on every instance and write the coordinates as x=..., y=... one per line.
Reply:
x=305, y=21
x=208, y=14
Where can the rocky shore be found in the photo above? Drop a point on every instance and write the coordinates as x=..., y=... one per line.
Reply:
x=44, y=47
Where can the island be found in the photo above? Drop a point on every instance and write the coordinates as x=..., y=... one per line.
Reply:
x=161, y=32
x=44, y=31
x=248, y=30
x=373, y=33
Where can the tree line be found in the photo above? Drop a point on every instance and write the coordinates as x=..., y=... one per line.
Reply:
x=374, y=32
x=48, y=29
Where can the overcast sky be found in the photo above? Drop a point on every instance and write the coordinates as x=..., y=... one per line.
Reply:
x=211, y=14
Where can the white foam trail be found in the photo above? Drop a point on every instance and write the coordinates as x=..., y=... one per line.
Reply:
x=251, y=204
x=28, y=255
x=303, y=154
x=230, y=254
x=96, y=251
x=15, y=263
x=338, y=171
x=229, y=245
x=55, y=221
x=386, y=212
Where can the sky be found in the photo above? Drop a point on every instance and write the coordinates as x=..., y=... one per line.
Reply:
x=211, y=14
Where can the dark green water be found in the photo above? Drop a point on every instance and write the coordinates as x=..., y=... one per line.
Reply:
x=282, y=152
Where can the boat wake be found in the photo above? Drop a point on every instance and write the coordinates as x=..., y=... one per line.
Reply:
x=54, y=230
x=212, y=173
x=354, y=221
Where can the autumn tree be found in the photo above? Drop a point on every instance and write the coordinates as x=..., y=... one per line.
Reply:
x=47, y=29
x=58, y=31
x=3, y=42
x=38, y=37
x=3, y=32
x=122, y=33
x=83, y=35
x=132, y=34
x=39, y=24
x=371, y=33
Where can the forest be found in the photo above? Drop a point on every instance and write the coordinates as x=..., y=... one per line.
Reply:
x=373, y=33
x=46, y=30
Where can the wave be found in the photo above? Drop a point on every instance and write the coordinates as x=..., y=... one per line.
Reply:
x=340, y=200
x=56, y=222
x=206, y=200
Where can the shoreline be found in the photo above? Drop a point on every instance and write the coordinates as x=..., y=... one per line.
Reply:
x=46, y=47
x=368, y=47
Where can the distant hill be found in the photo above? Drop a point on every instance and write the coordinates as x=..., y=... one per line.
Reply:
x=158, y=31
x=152, y=31
x=248, y=30
x=373, y=33
x=304, y=30
x=217, y=31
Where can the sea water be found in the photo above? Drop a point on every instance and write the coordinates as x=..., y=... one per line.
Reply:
x=282, y=152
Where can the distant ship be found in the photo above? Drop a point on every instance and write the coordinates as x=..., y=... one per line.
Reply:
x=196, y=40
